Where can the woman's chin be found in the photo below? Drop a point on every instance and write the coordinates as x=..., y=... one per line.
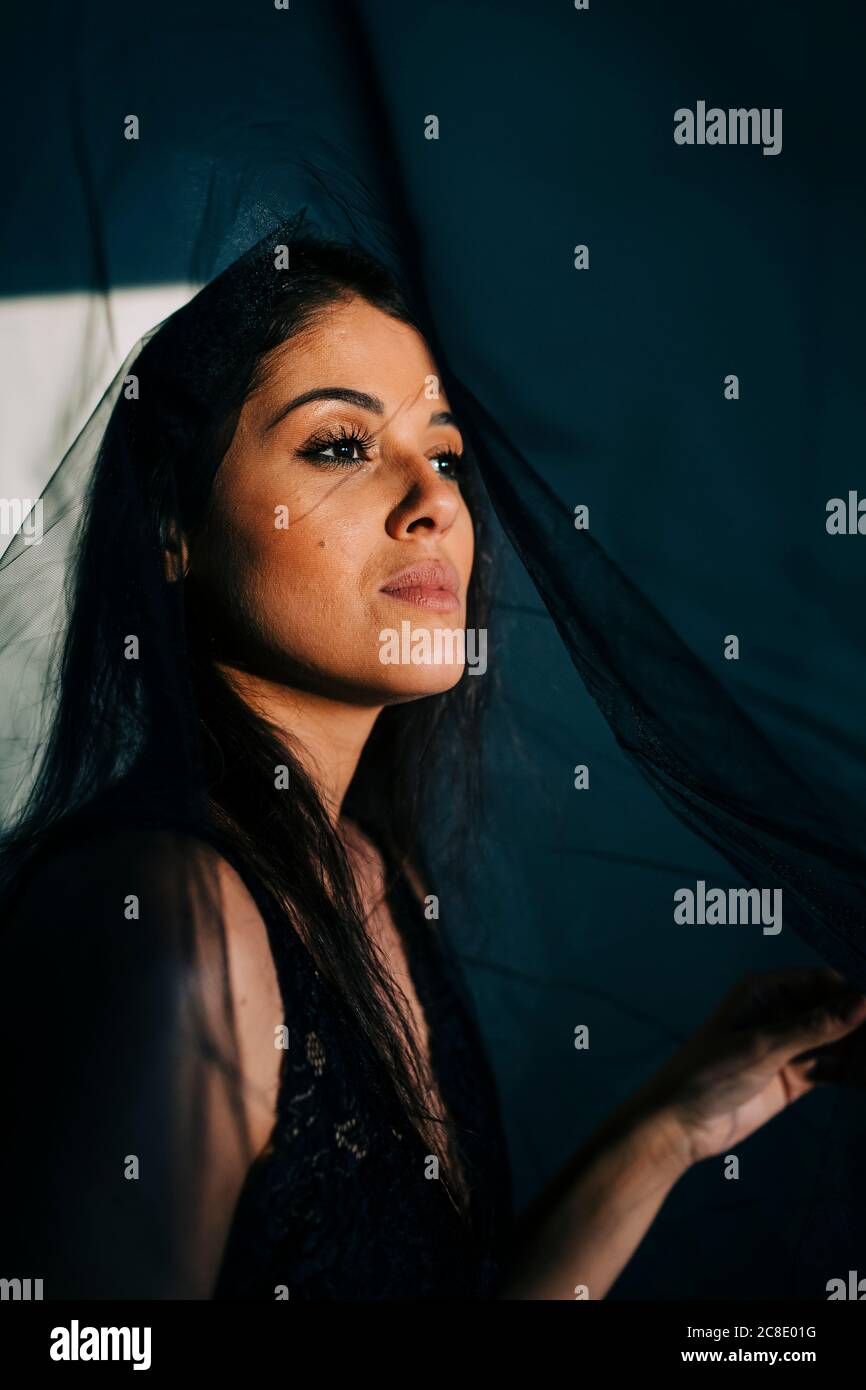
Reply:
x=415, y=682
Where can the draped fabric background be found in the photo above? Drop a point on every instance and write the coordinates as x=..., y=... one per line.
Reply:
x=602, y=387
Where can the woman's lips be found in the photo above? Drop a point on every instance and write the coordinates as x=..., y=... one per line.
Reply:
x=425, y=596
x=432, y=585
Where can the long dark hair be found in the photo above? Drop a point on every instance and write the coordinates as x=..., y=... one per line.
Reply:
x=162, y=739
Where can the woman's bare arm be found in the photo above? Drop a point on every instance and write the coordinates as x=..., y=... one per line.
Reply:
x=576, y=1238
x=109, y=1136
x=758, y=1053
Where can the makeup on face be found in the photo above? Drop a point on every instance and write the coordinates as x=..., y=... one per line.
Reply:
x=431, y=584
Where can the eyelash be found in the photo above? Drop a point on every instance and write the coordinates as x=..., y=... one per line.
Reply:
x=363, y=441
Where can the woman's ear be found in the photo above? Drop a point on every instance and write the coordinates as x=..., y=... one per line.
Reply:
x=176, y=554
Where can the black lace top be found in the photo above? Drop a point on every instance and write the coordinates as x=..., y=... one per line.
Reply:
x=339, y=1205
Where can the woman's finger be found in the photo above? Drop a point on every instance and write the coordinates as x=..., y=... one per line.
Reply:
x=820, y=1025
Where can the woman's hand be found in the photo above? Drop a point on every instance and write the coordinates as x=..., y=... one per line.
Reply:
x=772, y=1039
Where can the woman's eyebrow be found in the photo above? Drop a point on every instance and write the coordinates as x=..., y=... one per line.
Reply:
x=346, y=393
x=328, y=393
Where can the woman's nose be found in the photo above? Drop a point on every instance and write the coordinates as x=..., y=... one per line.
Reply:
x=429, y=503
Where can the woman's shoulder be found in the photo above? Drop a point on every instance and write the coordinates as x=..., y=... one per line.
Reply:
x=140, y=1022
x=164, y=894
x=134, y=919
x=88, y=862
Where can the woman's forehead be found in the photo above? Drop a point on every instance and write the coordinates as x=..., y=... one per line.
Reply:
x=356, y=346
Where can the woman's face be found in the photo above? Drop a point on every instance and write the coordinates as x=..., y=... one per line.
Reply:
x=337, y=542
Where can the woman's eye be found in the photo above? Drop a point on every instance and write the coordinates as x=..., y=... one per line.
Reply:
x=448, y=464
x=338, y=451
x=344, y=451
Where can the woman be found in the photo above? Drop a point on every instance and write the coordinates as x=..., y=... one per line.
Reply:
x=247, y=1066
